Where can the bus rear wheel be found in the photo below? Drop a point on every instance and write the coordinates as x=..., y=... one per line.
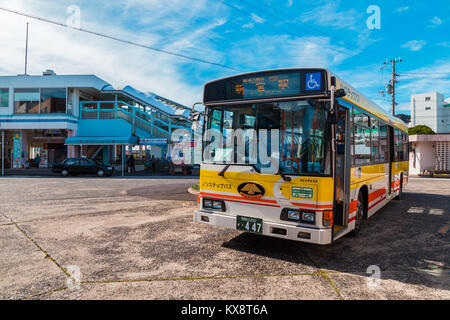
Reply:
x=360, y=208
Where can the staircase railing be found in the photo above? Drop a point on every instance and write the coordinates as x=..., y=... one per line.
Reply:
x=146, y=121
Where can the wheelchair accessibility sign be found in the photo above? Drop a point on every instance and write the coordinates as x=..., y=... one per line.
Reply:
x=313, y=81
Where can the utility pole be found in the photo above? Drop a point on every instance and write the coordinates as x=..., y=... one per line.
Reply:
x=390, y=88
x=26, y=51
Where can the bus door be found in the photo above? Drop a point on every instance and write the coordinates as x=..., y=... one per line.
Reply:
x=391, y=156
x=342, y=169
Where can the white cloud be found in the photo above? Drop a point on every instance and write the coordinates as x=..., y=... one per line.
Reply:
x=254, y=19
x=426, y=79
x=72, y=52
x=414, y=45
x=402, y=9
x=285, y=51
x=290, y=3
x=435, y=22
x=328, y=15
x=257, y=18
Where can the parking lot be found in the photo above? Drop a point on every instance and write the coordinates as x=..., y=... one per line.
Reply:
x=136, y=239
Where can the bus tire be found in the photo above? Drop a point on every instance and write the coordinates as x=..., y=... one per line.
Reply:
x=360, y=212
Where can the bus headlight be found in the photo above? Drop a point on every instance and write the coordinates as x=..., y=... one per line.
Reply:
x=293, y=215
x=298, y=216
x=217, y=205
x=308, y=217
x=214, y=204
x=207, y=203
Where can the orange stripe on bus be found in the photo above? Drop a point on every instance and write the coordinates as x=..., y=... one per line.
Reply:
x=353, y=206
x=376, y=194
x=395, y=183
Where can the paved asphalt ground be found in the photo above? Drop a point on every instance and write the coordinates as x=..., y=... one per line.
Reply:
x=136, y=239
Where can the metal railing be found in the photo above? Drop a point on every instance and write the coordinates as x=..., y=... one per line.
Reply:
x=146, y=121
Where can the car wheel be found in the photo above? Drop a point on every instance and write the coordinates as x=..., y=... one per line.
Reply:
x=65, y=173
x=360, y=207
x=100, y=173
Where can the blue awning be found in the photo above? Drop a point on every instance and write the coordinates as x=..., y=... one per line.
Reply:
x=132, y=140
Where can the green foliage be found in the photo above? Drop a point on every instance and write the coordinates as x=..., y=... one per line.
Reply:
x=420, y=129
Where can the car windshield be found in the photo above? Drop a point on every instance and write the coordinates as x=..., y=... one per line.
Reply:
x=293, y=133
x=88, y=161
x=70, y=161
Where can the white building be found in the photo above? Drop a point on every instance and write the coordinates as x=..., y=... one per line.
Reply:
x=429, y=152
x=430, y=109
x=64, y=116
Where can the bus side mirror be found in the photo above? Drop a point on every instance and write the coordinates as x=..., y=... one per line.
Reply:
x=339, y=93
x=332, y=114
x=332, y=117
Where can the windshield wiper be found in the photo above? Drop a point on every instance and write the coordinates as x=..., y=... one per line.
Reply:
x=285, y=178
x=221, y=173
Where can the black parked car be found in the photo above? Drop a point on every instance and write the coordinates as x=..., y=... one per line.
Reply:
x=74, y=166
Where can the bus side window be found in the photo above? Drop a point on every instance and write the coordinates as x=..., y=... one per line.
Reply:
x=383, y=143
x=375, y=150
x=397, y=145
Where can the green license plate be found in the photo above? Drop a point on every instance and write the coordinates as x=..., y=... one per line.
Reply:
x=249, y=224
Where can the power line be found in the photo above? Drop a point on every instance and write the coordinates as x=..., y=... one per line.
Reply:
x=430, y=78
x=426, y=73
x=295, y=25
x=297, y=35
x=120, y=40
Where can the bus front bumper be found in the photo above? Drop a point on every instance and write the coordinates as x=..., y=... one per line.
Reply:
x=317, y=236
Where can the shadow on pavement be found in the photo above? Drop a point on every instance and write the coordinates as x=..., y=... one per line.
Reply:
x=174, y=191
x=408, y=240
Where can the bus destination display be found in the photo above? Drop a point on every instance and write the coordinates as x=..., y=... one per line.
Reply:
x=268, y=86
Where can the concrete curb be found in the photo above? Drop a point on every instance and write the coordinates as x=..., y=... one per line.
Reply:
x=192, y=191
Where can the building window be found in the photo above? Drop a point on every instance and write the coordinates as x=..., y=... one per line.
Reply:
x=427, y=98
x=427, y=108
x=53, y=100
x=26, y=101
x=4, y=98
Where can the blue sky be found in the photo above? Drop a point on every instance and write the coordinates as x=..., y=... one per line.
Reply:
x=245, y=34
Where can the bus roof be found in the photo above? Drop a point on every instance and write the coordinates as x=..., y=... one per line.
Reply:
x=352, y=96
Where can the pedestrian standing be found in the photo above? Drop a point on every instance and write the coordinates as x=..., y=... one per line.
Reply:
x=37, y=160
x=130, y=163
x=153, y=164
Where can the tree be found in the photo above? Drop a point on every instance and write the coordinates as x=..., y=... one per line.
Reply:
x=420, y=129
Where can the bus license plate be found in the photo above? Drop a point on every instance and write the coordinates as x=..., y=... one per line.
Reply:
x=248, y=224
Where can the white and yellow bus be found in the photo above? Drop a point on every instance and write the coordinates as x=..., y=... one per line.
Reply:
x=336, y=158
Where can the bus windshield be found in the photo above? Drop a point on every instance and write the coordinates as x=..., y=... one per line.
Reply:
x=291, y=136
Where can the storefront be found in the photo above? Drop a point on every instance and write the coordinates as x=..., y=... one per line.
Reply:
x=21, y=147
